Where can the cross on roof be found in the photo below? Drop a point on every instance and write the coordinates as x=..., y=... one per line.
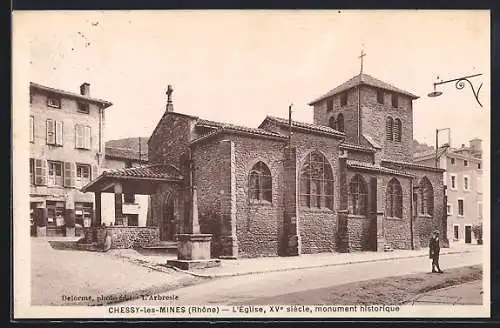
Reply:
x=169, y=93
x=361, y=57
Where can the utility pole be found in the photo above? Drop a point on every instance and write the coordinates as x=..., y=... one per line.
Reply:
x=290, y=125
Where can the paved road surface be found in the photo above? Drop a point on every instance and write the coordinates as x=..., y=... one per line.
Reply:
x=234, y=290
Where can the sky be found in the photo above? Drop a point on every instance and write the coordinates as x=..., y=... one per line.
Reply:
x=239, y=66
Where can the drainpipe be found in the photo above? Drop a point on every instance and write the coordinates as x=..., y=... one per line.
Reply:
x=100, y=135
x=411, y=213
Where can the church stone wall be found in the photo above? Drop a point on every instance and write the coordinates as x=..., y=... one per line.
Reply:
x=362, y=230
x=424, y=225
x=212, y=177
x=170, y=139
x=360, y=156
x=318, y=227
x=427, y=224
x=322, y=115
x=259, y=225
x=397, y=231
x=373, y=116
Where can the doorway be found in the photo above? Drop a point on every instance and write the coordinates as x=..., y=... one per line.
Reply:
x=468, y=234
x=168, y=225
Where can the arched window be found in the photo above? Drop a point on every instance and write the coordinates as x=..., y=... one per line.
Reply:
x=426, y=197
x=394, y=199
x=397, y=130
x=358, y=196
x=332, y=123
x=260, y=183
x=316, y=182
x=340, y=122
x=389, y=124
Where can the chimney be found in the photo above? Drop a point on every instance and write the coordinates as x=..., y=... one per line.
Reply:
x=475, y=144
x=170, y=105
x=475, y=147
x=85, y=89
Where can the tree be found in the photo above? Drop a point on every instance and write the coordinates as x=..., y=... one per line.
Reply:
x=477, y=229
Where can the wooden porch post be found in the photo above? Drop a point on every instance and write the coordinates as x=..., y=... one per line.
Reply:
x=118, y=202
x=97, y=214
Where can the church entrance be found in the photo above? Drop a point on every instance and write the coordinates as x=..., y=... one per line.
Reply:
x=168, y=226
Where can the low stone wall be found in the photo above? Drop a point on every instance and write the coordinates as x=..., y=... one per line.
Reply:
x=123, y=237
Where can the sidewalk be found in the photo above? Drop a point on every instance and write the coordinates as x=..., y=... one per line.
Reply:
x=248, y=266
x=470, y=293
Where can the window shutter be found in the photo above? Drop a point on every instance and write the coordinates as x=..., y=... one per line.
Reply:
x=50, y=132
x=87, y=137
x=72, y=174
x=95, y=172
x=79, y=136
x=40, y=172
x=59, y=133
x=32, y=129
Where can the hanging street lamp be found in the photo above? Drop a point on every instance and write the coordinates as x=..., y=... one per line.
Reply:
x=459, y=84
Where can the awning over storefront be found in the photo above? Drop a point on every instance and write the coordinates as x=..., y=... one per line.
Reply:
x=135, y=180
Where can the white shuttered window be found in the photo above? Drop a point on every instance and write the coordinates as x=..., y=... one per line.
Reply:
x=54, y=132
x=83, y=137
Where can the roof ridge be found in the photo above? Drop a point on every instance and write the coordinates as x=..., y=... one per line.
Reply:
x=323, y=128
x=69, y=93
x=362, y=79
x=226, y=125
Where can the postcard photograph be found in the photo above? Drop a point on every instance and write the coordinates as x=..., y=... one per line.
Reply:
x=251, y=164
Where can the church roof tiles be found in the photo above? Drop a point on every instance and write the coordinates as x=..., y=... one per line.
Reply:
x=220, y=127
x=155, y=171
x=412, y=165
x=372, y=167
x=305, y=126
x=359, y=80
x=125, y=154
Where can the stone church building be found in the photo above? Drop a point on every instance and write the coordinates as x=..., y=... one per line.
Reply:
x=345, y=183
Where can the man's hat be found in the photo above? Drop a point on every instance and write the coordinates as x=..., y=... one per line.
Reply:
x=436, y=232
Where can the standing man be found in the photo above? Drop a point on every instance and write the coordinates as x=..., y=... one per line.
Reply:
x=434, y=251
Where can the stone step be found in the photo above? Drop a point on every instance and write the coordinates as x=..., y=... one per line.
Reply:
x=163, y=246
x=74, y=245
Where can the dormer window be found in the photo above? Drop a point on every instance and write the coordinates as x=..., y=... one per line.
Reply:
x=83, y=107
x=343, y=99
x=380, y=96
x=329, y=104
x=54, y=102
x=394, y=100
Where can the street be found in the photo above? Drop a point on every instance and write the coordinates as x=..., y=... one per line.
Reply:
x=250, y=288
x=66, y=277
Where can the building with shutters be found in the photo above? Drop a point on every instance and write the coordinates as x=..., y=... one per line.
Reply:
x=66, y=152
x=464, y=188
